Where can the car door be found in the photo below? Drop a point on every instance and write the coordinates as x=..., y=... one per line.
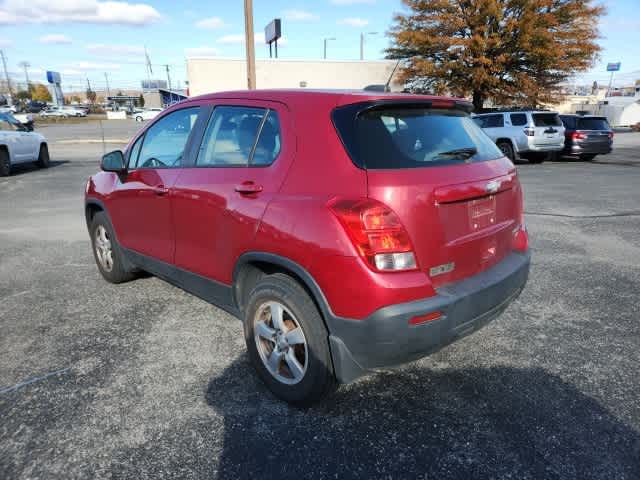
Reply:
x=239, y=166
x=518, y=123
x=140, y=205
x=12, y=138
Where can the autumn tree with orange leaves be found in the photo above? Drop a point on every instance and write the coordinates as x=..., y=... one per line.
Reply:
x=515, y=52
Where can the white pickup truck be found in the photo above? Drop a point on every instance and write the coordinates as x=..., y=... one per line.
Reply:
x=18, y=145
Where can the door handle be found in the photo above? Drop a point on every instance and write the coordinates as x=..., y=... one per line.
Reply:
x=246, y=188
x=160, y=190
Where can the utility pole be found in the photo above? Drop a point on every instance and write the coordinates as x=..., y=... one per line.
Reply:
x=168, y=77
x=325, y=46
x=251, y=54
x=6, y=76
x=25, y=66
x=106, y=77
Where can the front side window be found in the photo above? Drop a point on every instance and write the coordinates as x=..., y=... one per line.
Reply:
x=134, y=153
x=164, y=142
x=418, y=137
x=240, y=136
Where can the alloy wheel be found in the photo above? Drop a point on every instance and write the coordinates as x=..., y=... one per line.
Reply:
x=104, y=251
x=280, y=342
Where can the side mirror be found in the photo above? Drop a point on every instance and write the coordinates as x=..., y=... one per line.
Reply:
x=113, y=162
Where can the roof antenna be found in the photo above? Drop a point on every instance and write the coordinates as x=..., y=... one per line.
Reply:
x=386, y=85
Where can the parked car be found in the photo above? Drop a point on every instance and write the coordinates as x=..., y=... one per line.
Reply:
x=17, y=145
x=55, y=112
x=529, y=134
x=586, y=136
x=148, y=114
x=8, y=109
x=75, y=111
x=370, y=233
x=34, y=106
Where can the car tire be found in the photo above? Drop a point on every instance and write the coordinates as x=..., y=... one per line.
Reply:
x=507, y=150
x=296, y=368
x=587, y=158
x=5, y=163
x=106, y=251
x=43, y=157
x=138, y=119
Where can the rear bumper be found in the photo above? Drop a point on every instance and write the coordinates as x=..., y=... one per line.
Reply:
x=386, y=338
x=587, y=149
x=532, y=148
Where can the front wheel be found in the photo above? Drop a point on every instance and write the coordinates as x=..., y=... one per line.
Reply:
x=138, y=119
x=43, y=157
x=106, y=250
x=288, y=342
x=5, y=164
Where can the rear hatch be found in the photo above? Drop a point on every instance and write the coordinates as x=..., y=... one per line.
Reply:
x=595, y=131
x=455, y=193
x=548, y=129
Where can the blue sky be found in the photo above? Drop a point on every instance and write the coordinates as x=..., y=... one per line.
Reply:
x=86, y=38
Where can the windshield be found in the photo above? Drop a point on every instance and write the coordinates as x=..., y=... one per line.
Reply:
x=593, y=124
x=409, y=137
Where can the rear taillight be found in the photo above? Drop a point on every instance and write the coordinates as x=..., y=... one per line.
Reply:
x=376, y=232
x=610, y=134
x=529, y=132
x=577, y=136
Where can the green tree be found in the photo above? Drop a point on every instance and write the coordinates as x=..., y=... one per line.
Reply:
x=41, y=93
x=141, y=101
x=511, y=51
x=23, y=95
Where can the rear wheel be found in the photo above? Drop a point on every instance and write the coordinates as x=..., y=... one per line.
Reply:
x=507, y=149
x=287, y=341
x=43, y=157
x=5, y=164
x=587, y=158
x=106, y=250
x=138, y=118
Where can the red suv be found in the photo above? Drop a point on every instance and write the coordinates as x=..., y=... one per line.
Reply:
x=348, y=230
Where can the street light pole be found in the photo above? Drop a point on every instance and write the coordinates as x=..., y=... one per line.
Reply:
x=362, y=34
x=325, y=46
x=251, y=54
x=25, y=66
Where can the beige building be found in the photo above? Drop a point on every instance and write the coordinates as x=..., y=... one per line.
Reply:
x=208, y=75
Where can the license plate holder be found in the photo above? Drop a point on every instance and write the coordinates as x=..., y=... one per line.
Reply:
x=482, y=212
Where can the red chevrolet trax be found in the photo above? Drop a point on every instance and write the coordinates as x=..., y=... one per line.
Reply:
x=348, y=230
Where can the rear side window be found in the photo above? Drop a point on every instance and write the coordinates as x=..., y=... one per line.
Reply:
x=518, y=119
x=240, y=136
x=593, y=124
x=546, y=120
x=391, y=138
x=569, y=122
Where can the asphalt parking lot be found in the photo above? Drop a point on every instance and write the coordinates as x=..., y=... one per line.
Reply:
x=142, y=380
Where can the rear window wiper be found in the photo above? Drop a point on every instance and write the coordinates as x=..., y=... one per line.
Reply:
x=464, y=153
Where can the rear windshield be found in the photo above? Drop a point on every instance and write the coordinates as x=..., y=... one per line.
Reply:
x=546, y=120
x=410, y=137
x=593, y=124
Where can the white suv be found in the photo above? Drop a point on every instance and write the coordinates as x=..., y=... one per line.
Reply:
x=529, y=134
x=17, y=145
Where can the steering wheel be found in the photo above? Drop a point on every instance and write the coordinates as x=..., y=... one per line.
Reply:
x=153, y=162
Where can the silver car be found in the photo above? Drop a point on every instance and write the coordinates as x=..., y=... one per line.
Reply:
x=531, y=134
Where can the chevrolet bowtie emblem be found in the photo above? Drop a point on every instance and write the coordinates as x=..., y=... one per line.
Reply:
x=492, y=186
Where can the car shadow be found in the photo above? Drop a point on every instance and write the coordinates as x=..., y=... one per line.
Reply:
x=22, y=168
x=417, y=422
